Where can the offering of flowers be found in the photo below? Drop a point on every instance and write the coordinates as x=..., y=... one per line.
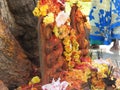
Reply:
x=62, y=29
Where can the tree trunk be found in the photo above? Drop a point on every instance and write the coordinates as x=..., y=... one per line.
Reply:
x=25, y=31
x=15, y=68
x=18, y=16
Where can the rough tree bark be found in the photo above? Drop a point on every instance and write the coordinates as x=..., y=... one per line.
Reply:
x=15, y=68
x=18, y=16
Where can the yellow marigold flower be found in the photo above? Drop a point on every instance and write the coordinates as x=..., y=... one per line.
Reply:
x=73, y=2
x=67, y=54
x=68, y=48
x=76, y=56
x=63, y=31
x=84, y=78
x=49, y=18
x=68, y=58
x=79, y=4
x=35, y=79
x=40, y=10
x=71, y=64
x=77, y=61
x=75, y=46
x=55, y=30
x=66, y=40
x=88, y=71
x=43, y=10
x=36, y=12
x=102, y=69
x=101, y=75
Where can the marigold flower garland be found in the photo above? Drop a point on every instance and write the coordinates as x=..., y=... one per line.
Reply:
x=62, y=29
x=52, y=13
x=72, y=52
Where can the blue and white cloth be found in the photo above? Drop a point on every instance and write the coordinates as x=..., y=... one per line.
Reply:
x=105, y=21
